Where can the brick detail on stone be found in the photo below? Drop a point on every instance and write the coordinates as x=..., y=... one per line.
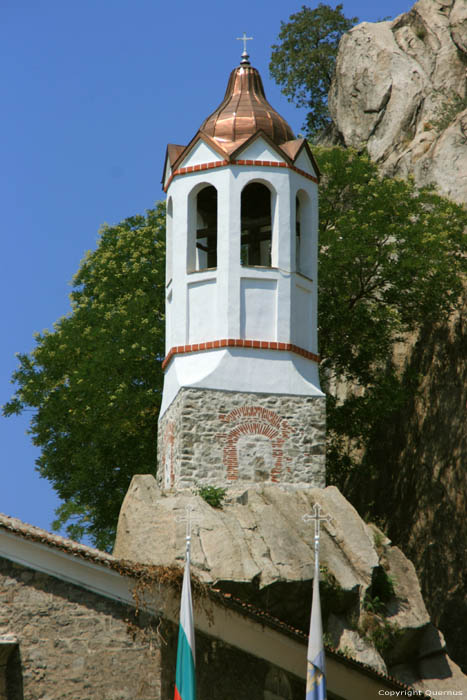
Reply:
x=222, y=163
x=239, y=343
x=219, y=438
x=167, y=456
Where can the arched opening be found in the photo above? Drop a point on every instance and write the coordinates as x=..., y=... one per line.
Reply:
x=303, y=235
x=297, y=233
x=169, y=243
x=206, y=228
x=256, y=225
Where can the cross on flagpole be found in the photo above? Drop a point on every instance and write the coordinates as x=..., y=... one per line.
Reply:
x=318, y=518
x=189, y=519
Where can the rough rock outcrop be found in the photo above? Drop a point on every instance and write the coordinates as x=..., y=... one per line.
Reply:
x=420, y=491
x=400, y=91
x=258, y=547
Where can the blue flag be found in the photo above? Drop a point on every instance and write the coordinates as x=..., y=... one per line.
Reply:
x=316, y=671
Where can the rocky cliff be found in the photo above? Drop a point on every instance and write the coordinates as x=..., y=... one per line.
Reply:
x=258, y=547
x=400, y=91
x=420, y=492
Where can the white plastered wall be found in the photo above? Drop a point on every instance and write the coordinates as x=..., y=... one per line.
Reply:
x=234, y=301
x=260, y=150
x=200, y=153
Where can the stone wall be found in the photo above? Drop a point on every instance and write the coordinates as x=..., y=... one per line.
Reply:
x=221, y=438
x=76, y=645
x=72, y=644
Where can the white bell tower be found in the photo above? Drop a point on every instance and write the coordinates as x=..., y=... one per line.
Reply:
x=241, y=400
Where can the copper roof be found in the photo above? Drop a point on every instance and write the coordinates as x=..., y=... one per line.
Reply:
x=244, y=111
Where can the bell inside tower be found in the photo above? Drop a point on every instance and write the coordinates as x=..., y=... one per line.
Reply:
x=256, y=225
x=206, y=228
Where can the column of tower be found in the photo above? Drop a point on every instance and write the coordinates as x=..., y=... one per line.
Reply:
x=241, y=399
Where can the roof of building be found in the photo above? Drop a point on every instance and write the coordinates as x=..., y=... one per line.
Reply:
x=244, y=111
x=32, y=533
x=243, y=114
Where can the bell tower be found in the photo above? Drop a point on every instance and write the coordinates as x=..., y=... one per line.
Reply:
x=241, y=400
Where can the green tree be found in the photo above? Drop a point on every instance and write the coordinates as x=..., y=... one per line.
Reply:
x=392, y=258
x=95, y=381
x=303, y=62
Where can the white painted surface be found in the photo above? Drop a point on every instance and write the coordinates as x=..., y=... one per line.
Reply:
x=260, y=150
x=267, y=307
x=258, y=311
x=167, y=172
x=200, y=153
x=242, y=369
x=303, y=310
x=63, y=565
x=304, y=163
x=201, y=310
x=169, y=241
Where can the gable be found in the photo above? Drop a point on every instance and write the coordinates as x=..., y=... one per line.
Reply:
x=167, y=172
x=199, y=154
x=259, y=149
x=303, y=162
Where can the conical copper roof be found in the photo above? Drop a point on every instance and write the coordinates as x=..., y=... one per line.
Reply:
x=244, y=111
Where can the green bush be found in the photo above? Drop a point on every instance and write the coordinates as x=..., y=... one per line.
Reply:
x=213, y=495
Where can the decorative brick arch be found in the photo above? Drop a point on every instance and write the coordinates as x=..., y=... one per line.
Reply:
x=254, y=420
x=167, y=455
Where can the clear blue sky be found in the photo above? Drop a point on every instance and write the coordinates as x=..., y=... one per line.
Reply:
x=92, y=91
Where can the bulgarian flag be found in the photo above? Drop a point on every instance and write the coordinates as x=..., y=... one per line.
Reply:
x=185, y=681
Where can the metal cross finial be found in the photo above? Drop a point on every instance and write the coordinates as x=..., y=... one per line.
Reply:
x=318, y=518
x=189, y=519
x=244, y=38
x=245, y=55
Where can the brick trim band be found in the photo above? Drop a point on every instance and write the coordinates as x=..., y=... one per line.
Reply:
x=222, y=163
x=239, y=343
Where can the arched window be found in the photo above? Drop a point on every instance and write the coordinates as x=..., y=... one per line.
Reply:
x=303, y=234
x=297, y=233
x=206, y=228
x=169, y=242
x=256, y=225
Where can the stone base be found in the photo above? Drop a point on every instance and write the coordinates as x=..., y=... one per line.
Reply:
x=219, y=438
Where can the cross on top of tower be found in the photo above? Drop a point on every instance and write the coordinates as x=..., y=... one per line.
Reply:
x=245, y=57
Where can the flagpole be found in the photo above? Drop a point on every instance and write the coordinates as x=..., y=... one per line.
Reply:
x=316, y=669
x=185, y=680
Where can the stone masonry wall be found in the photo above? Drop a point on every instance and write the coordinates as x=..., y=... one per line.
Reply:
x=73, y=644
x=220, y=438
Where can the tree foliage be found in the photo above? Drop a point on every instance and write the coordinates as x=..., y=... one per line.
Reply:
x=391, y=259
x=304, y=60
x=95, y=381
